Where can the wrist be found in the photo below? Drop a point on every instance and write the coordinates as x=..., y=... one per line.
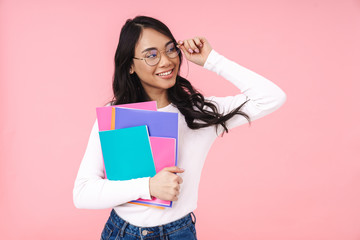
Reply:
x=150, y=180
x=211, y=60
x=207, y=56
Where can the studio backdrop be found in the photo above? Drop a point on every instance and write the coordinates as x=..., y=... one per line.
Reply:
x=292, y=175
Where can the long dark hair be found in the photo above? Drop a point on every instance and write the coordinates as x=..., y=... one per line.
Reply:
x=127, y=87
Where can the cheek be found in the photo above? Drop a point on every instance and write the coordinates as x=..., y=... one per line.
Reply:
x=144, y=72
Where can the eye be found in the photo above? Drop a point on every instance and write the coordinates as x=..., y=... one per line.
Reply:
x=151, y=54
x=171, y=48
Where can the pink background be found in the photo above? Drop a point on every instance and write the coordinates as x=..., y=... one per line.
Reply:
x=293, y=175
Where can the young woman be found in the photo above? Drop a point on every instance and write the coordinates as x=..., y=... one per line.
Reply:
x=147, y=66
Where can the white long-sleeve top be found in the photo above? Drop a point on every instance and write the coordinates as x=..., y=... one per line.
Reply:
x=93, y=191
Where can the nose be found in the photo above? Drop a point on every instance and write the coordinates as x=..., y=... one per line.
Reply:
x=164, y=60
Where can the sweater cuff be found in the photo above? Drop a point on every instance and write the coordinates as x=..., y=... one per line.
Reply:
x=144, y=187
x=211, y=60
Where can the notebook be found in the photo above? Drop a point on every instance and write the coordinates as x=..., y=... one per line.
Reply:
x=122, y=158
x=160, y=124
x=163, y=150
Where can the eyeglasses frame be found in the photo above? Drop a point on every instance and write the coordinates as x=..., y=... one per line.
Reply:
x=177, y=50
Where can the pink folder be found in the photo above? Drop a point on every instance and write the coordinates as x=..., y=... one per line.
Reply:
x=163, y=150
x=104, y=113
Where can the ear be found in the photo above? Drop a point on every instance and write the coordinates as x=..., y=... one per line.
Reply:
x=131, y=69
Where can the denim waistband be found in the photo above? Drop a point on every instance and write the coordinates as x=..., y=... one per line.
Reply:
x=148, y=232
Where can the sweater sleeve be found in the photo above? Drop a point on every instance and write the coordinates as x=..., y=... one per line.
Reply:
x=264, y=96
x=93, y=191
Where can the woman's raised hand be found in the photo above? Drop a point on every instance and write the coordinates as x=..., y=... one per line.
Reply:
x=195, y=49
x=165, y=185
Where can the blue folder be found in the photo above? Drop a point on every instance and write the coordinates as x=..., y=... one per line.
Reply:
x=122, y=158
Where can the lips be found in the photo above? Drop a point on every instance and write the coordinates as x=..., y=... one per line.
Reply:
x=165, y=72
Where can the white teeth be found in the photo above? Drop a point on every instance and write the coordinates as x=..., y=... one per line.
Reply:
x=165, y=73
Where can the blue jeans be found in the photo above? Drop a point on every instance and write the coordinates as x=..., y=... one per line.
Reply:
x=117, y=228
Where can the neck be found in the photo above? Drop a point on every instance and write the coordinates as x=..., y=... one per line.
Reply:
x=160, y=98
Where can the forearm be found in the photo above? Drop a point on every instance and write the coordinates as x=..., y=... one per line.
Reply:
x=264, y=96
x=92, y=190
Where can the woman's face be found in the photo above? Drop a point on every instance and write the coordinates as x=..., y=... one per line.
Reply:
x=152, y=82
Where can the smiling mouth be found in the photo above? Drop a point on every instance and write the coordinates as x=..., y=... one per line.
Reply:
x=165, y=73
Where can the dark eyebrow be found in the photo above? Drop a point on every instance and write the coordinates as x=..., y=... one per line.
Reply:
x=152, y=48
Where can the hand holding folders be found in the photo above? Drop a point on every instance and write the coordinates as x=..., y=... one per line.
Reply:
x=165, y=185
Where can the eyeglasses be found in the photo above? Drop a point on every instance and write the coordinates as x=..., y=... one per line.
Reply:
x=153, y=56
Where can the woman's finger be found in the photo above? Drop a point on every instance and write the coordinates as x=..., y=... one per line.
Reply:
x=180, y=42
x=187, y=46
x=182, y=46
x=193, y=46
x=198, y=42
x=185, y=51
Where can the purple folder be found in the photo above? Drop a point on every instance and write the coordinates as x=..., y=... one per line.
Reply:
x=160, y=124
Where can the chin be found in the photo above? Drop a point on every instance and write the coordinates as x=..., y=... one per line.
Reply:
x=173, y=82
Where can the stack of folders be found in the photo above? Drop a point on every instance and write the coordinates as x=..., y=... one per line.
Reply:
x=138, y=141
